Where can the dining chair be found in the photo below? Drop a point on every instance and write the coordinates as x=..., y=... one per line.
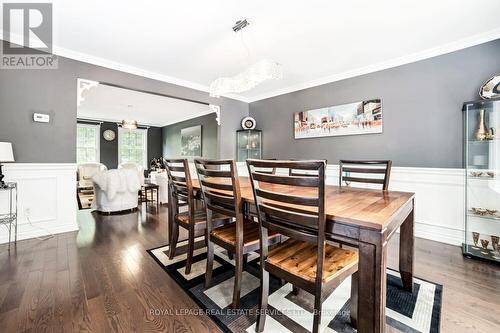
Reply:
x=295, y=207
x=302, y=173
x=193, y=220
x=270, y=171
x=368, y=169
x=221, y=194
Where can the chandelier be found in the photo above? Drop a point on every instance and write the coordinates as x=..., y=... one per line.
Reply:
x=129, y=124
x=254, y=75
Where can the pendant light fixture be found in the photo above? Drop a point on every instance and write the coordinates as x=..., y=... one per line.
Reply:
x=254, y=75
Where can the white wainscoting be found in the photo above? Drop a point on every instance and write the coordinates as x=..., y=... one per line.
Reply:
x=439, y=199
x=47, y=191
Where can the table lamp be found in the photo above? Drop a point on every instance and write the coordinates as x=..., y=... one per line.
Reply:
x=6, y=155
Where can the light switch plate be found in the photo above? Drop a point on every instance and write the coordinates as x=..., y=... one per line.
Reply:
x=41, y=118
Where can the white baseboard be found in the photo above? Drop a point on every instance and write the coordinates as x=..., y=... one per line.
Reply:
x=439, y=198
x=48, y=191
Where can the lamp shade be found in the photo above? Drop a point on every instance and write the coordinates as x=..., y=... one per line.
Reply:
x=6, y=154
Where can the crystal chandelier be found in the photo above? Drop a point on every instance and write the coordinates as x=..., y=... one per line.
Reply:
x=254, y=75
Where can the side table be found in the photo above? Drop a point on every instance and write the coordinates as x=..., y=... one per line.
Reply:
x=9, y=220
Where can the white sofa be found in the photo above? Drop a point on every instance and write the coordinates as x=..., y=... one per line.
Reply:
x=116, y=190
x=86, y=171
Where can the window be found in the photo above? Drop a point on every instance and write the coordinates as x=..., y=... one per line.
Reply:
x=132, y=146
x=87, y=143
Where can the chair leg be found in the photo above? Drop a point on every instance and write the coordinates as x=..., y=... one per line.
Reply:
x=230, y=255
x=317, y=313
x=190, y=250
x=295, y=290
x=262, y=310
x=210, y=262
x=245, y=260
x=238, y=275
x=173, y=240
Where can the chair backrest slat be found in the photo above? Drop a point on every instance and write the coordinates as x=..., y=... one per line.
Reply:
x=180, y=183
x=292, y=199
x=291, y=205
x=286, y=180
x=359, y=172
x=220, y=188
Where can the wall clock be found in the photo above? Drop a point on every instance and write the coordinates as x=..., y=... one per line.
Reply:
x=248, y=123
x=109, y=135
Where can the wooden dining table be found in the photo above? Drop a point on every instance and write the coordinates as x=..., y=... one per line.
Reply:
x=365, y=219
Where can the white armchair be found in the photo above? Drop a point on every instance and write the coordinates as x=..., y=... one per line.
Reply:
x=86, y=171
x=133, y=166
x=116, y=190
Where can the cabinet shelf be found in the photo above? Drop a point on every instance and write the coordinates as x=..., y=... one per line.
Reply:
x=484, y=217
x=481, y=190
x=249, y=144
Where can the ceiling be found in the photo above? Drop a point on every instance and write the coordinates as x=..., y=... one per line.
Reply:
x=191, y=42
x=114, y=104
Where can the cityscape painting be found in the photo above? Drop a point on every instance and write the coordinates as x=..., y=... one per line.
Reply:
x=348, y=119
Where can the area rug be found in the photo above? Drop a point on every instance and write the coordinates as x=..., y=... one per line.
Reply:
x=419, y=311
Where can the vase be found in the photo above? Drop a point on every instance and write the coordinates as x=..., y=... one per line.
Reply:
x=482, y=132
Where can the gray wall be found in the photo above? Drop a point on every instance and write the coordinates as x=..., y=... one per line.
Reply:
x=23, y=92
x=155, y=143
x=421, y=105
x=109, y=149
x=172, y=136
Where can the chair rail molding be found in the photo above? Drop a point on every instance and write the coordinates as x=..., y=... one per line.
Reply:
x=439, y=198
x=47, y=196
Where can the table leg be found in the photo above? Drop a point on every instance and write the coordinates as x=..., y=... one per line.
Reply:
x=158, y=198
x=372, y=284
x=406, y=251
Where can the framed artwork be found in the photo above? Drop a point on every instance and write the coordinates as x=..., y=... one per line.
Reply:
x=191, y=141
x=348, y=119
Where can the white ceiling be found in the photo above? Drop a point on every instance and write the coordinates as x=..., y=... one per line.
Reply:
x=191, y=42
x=114, y=104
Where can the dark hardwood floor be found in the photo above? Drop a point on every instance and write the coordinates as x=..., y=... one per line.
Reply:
x=101, y=279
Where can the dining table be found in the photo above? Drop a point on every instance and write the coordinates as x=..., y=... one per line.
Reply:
x=365, y=219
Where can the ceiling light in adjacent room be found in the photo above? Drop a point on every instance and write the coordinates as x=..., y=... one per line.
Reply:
x=129, y=124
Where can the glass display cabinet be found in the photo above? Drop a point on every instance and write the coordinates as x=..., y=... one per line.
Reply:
x=482, y=179
x=249, y=144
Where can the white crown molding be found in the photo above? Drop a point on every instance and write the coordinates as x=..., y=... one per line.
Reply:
x=426, y=54
x=115, y=65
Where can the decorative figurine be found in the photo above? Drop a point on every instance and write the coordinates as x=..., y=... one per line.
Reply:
x=475, y=238
x=484, y=244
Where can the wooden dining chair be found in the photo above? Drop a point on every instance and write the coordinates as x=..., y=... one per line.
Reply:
x=193, y=220
x=269, y=171
x=221, y=194
x=305, y=259
x=302, y=173
x=368, y=169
